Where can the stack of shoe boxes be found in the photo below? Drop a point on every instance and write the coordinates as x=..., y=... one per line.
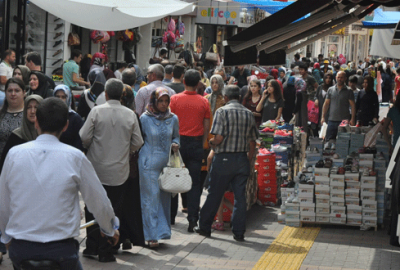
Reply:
x=366, y=162
x=267, y=181
x=292, y=214
x=380, y=169
x=382, y=147
x=356, y=142
x=307, y=206
x=342, y=144
x=322, y=198
x=312, y=157
x=352, y=195
x=368, y=191
x=337, y=201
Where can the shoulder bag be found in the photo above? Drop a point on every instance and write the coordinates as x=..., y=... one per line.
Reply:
x=175, y=179
x=211, y=56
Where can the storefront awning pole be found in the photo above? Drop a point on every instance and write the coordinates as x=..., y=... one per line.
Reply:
x=303, y=25
x=329, y=32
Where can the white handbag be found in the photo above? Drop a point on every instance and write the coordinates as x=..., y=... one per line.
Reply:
x=175, y=180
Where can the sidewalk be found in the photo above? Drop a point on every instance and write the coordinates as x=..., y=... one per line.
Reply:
x=334, y=248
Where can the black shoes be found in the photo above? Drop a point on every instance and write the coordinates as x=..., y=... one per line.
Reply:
x=58, y=26
x=191, y=226
x=107, y=258
x=239, y=238
x=56, y=62
x=126, y=245
x=57, y=52
x=201, y=232
x=57, y=35
x=90, y=252
x=57, y=43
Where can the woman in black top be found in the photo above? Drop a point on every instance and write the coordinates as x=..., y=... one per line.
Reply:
x=320, y=96
x=26, y=132
x=289, y=94
x=38, y=85
x=271, y=103
x=367, y=104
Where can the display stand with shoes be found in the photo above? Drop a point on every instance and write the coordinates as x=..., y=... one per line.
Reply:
x=55, y=44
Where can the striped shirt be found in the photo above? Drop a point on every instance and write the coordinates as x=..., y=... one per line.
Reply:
x=237, y=125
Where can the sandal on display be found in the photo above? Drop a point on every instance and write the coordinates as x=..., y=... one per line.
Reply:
x=219, y=226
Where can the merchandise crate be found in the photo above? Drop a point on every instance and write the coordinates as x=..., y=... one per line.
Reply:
x=283, y=140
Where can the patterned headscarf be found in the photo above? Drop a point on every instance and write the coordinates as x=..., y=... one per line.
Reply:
x=291, y=80
x=151, y=108
x=300, y=85
x=97, y=59
x=215, y=94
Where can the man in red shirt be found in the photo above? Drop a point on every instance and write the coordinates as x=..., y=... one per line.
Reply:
x=193, y=112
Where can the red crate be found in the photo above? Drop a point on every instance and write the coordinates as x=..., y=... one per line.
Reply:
x=271, y=182
x=267, y=173
x=229, y=195
x=266, y=198
x=268, y=189
x=226, y=214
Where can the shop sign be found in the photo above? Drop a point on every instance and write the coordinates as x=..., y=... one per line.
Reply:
x=221, y=13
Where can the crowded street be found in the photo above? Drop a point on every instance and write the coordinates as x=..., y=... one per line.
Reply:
x=209, y=134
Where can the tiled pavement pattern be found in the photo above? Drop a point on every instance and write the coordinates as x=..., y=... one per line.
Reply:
x=334, y=248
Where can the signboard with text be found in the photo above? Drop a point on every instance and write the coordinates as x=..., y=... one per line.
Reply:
x=218, y=13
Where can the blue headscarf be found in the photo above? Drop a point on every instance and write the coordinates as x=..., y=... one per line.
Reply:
x=291, y=80
x=67, y=92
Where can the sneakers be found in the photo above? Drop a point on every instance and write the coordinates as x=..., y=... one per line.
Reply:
x=191, y=226
x=296, y=199
x=218, y=226
x=327, y=146
x=344, y=123
x=286, y=126
x=320, y=164
x=268, y=129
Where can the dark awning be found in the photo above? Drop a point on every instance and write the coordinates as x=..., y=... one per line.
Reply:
x=270, y=38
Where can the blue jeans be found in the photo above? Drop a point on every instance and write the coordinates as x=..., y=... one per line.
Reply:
x=332, y=130
x=65, y=252
x=191, y=150
x=227, y=168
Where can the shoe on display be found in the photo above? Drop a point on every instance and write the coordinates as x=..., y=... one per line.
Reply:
x=320, y=164
x=56, y=62
x=341, y=170
x=58, y=26
x=296, y=199
x=366, y=172
x=290, y=198
x=335, y=156
x=57, y=35
x=328, y=163
x=327, y=146
x=344, y=123
x=311, y=181
x=333, y=146
x=57, y=43
x=372, y=173
x=57, y=52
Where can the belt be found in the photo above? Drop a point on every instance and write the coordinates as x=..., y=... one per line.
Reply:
x=194, y=138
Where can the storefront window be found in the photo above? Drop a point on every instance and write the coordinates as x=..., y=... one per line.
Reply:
x=334, y=39
x=35, y=30
x=322, y=47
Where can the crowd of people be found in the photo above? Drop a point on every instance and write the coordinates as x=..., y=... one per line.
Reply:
x=108, y=135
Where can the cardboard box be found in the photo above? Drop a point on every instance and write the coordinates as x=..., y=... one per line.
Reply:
x=370, y=221
x=352, y=193
x=354, y=219
x=321, y=172
x=369, y=204
x=292, y=223
x=351, y=176
x=337, y=219
x=322, y=210
x=322, y=180
x=305, y=200
x=337, y=189
x=354, y=210
x=353, y=185
x=322, y=190
x=292, y=215
x=369, y=213
x=337, y=204
x=307, y=208
x=355, y=202
x=322, y=218
x=307, y=217
x=292, y=207
x=338, y=210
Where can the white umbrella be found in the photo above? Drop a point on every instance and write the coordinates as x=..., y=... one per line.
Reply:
x=113, y=15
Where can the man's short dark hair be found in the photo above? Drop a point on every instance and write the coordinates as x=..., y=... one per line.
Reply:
x=353, y=79
x=303, y=66
x=114, y=89
x=163, y=51
x=178, y=71
x=129, y=76
x=75, y=53
x=320, y=55
x=121, y=65
x=7, y=53
x=192, y=78
x=52, y=115
x=297, y=56
x=168, y=69
x=34, y=57
x=337, y=66
x=232, y=92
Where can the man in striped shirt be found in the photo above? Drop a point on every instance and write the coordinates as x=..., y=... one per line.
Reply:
x=234, y=144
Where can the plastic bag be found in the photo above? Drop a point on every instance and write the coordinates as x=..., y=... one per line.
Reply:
x=370, y=137
x=313, y=112
x=324, y=128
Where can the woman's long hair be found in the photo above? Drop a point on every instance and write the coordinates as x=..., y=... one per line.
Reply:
x=20, y=83
x=277, y=90
x=249, y=94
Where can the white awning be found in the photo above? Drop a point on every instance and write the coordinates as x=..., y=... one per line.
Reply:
x=113, y=15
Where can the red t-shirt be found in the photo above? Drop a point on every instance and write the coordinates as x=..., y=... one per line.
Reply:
x=191, y=110
x=397, y=81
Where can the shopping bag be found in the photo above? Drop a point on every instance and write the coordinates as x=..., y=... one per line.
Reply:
x=175, y=179
x=313, y=112
x=211, y=56
x=324, y=128
x=370, y=137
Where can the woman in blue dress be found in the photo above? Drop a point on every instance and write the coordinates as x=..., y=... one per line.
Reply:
x=160, y=129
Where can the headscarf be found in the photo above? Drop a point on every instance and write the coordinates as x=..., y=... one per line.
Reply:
x=108, y=74
x=67, y=91
x=151, y=108
x=291, y=80
x=299, y=84
x=316, y=65
x=26, y=72
x=27, y=129
x=139, y=77
x=215, y=94
x=97, y=59
x=97, y=81
x=274, y=73
x=43, y=86
x=281, y=69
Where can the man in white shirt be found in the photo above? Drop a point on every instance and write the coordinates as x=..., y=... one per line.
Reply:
x=155, y=75
x=121, y=67
x=111, y=132
x=39, y=194
x=6, y=72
